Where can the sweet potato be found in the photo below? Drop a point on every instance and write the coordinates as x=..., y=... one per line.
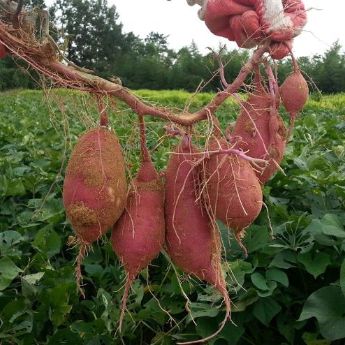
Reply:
x=139, y=234
x=3, y=51
x=95, y=187
x=260, y=131
x=192, y=240
x=232, y=190
x=294, y=92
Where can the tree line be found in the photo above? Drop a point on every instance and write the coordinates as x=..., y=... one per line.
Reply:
x=90, y=34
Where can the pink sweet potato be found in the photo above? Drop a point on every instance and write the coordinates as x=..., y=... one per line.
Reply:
x=192, y=239
x=294, y=92
x=139, y=234
x=233, y=191
x=95, y=187
x=260, y=131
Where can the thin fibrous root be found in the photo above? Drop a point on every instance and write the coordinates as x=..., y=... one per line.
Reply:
x=222, y=324
x=128, y=285
x=78, y=275
x=238, y=237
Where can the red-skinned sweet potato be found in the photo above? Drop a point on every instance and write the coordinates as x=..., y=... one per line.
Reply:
x=294, y=92
x=138, y=236
x=95, y=187
x=232, y=189
x=3, y=51
x=192, y=239
x=260, y=131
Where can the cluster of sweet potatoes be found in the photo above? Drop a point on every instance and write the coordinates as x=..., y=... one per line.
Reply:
x=177, y=211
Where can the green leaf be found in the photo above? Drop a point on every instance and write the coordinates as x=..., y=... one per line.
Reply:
x=327, y=305
x=266, y=309
x=285, y=259
x=272, y=285
x=266, y=287
x=278, y=276
x=65, y=336
x=162, y=339
x=315, y=263
x=8, y=271
x=202, y=310
x=342, y=277
x=8, y=240
x=312, y=339
x=237, y=271
x=50, y=211
x=256, y=238
x=47, y=241
x=245, y=300
x=15, y=188
x=230, y=333
x=259, y=281
x=329, y=225
x=332, y=226
x=286, y=326
x=33, y=278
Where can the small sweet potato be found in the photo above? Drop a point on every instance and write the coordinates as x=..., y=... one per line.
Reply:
x=260, y=131
x=138, y=236
x=294, y=92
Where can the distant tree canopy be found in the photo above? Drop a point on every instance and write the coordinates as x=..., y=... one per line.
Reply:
x=90, y=34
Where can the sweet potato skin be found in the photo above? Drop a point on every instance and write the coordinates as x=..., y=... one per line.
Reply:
x=192, y=238
x=261, y=132
x=95, y=187
x=3, y=51
x=232, y=191
x=138, y=236
x=191, y=242
x=294, y=92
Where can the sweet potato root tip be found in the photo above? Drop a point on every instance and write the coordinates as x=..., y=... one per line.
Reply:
x=125, y=295
x=78, y=275
x=224, y=292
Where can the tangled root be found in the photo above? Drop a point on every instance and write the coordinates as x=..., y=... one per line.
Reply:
x=83, y=250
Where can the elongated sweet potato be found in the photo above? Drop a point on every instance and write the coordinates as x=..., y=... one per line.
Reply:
x=232, y=190
x=139, y=235
x=95, y=187
x=261, y=131
x=192, y=239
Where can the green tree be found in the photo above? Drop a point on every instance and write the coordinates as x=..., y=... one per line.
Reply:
x=330, y=70
x=91, y=31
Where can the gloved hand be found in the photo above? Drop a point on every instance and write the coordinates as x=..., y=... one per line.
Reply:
x=251, y=22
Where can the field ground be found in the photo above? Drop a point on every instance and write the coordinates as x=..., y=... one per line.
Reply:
x=290, y=290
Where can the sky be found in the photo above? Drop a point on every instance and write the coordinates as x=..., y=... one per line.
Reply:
x=182, y=25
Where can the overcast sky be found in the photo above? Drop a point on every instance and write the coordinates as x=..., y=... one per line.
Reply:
x=326, y=24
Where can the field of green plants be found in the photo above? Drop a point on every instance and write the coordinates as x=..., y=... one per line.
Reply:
x=290, y=290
